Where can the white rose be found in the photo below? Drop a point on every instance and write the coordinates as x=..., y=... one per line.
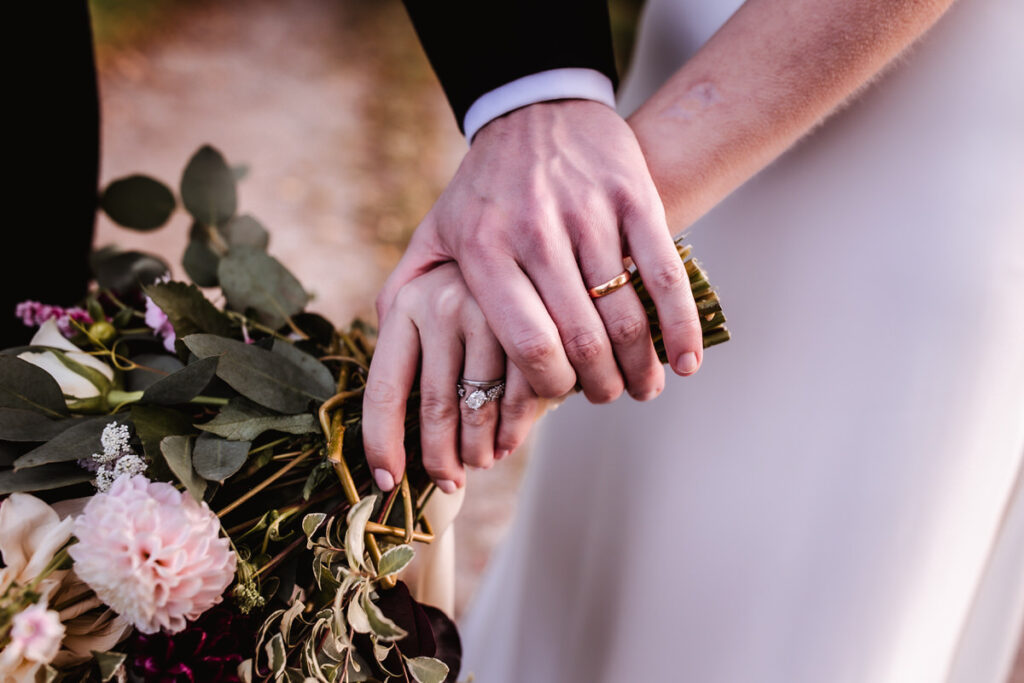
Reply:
x=71, y=383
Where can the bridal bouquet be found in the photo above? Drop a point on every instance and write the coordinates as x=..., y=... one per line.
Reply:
x=187, y=498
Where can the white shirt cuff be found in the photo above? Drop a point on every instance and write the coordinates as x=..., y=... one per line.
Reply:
x=543, y=86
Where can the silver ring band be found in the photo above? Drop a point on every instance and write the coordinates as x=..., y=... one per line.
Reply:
x=482, y=392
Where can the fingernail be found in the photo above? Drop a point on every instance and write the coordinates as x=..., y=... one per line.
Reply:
x=500, y=454
x=687, y=363
x=446, y=485
x=385, y=482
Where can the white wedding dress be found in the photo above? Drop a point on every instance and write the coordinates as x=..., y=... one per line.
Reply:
x=837, y=496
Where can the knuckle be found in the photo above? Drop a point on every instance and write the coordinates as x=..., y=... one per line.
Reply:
x=627, y=329
x=477, y=457
x=668, y=275
x=448, y=299
x=688, y=322
x=535, y=351
x=437, y=464
x=516, y=410
x=606, y=392
x=585, y=346
x=382, y=394
x=476, y=418
x=437, y=412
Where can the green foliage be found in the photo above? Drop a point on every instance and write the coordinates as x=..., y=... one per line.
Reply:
x=76, y=442
x=187, y=309
x=208, y=187
x=183, y=385
x=122, y=271
x=177, y=452
x=252, y=279
x=243, y=420
x=42, y=478
x=27, y=387
x=216, y=459
x=138, y=202
x=262, y=376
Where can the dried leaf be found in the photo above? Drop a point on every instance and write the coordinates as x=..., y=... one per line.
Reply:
x=427, y=669
x=357, y=518
x=394, y=560
x=382, y=627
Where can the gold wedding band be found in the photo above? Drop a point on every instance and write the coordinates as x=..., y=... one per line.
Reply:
x=606, y=288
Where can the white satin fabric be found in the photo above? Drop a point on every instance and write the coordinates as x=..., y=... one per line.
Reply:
x=837, y=496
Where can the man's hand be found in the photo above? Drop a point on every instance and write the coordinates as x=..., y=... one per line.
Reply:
x=547, y=202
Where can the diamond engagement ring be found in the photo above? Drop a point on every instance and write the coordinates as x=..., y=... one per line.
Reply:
x=479, y=394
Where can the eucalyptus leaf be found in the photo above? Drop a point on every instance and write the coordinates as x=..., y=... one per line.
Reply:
x=243, y=420
x=187, y=309
x=394, y=560
x=251, y=278
x=123, y=271
x=152, y=424
x=28, y=425
x=239, y=171
x=260, y=375
x=42, y=478
x=109, y=663
x=138, y=202
x=183, y=385
x=427, y=669
x=245, y=231
x=380, y=625
x=208, y=187
x=357, y=518
x=27, y=387
x=78, y=441
x=143, y=378
x=216, y=459
x=177, y=452
x=317, y=371
x=201, y=262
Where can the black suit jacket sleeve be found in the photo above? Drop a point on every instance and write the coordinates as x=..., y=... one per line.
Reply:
x=478, y=45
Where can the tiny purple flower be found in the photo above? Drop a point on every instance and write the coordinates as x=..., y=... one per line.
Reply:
x=157, y=321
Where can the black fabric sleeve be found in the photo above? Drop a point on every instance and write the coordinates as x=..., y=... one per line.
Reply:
x=478, y=45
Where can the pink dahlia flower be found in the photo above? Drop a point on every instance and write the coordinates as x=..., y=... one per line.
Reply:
x=152, y=553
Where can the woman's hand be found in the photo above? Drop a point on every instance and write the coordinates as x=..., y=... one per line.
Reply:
x=436, y=313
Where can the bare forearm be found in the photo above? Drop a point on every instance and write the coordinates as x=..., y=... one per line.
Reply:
x=776, y=68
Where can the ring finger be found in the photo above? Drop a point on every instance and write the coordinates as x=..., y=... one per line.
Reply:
x=625, y=319
x=485, y=362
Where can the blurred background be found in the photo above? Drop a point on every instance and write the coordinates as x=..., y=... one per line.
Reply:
x=347, y=135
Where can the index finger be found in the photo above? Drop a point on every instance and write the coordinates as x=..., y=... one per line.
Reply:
x=392, y=373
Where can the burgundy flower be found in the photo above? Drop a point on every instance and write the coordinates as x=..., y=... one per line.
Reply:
x=209, y=650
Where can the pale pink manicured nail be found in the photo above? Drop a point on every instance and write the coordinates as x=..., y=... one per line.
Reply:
x=687, y=363
x=446, y=485
x=385, y=482
x=500, y=454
